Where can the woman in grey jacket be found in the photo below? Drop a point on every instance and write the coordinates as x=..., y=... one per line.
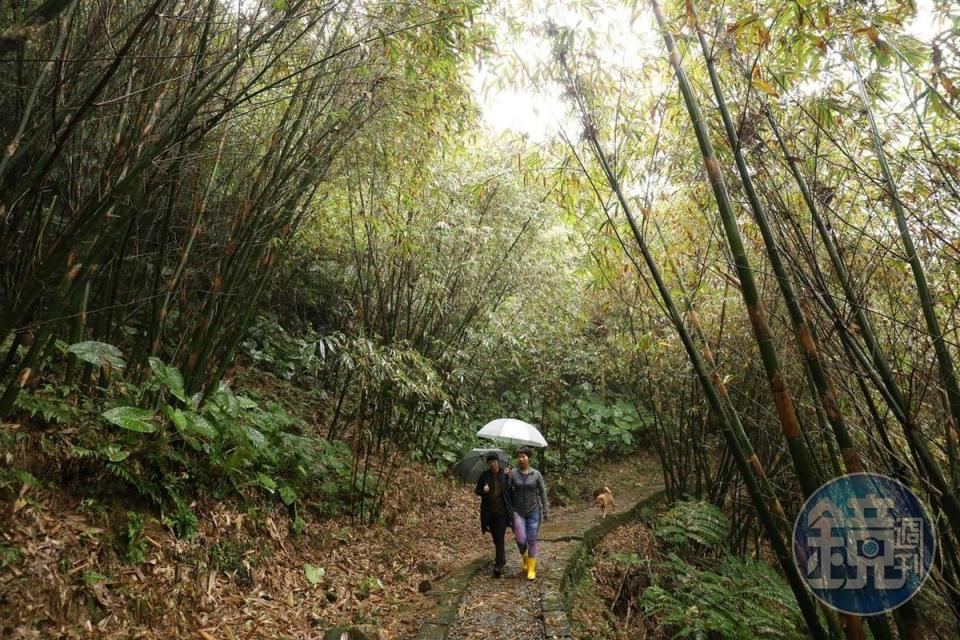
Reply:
x=528, y=493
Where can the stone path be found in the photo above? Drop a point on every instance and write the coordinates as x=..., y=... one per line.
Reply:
x=473, y=605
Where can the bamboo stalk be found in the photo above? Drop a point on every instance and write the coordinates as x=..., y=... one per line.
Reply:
x=875, y=362
x=744, y=465
x=805, y=603
x=783, y=402
x=944, y=360
x=805, y=333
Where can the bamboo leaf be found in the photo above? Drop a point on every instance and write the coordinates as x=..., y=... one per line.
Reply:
x=766, y=87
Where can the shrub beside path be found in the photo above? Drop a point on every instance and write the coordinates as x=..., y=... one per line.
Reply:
x=473, y=605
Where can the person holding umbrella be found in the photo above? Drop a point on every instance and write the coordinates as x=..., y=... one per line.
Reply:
x=528, y=494
x=496, y=509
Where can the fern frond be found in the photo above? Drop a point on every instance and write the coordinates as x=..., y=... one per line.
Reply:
x=742, y=599
x=693, y=523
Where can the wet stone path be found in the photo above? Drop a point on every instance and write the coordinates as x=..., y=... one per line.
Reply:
x=473, y=605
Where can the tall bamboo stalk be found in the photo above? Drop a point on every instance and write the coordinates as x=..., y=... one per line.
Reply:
x=825, y=396
x=803, y=330
x=874, y=360
x=948, y=378
x=769, y=522
x=786, y=412
x=713, y=393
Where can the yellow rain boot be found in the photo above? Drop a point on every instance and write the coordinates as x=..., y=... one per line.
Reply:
x=526, y=561
x=532, y=569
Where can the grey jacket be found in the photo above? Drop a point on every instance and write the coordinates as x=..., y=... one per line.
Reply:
x=528, y=493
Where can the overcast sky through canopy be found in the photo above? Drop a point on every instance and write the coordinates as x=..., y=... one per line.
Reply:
x=538, y=113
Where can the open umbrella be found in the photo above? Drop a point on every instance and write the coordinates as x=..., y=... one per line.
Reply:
x=470, y=466
x=512, y=430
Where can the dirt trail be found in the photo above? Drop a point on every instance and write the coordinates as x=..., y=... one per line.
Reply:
x=512, y=606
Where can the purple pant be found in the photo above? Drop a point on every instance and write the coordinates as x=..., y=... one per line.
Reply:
x=525, y=529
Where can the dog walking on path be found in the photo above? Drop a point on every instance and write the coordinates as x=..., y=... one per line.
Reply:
x=605, y=501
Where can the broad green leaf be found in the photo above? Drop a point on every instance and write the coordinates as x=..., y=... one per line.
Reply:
x=257, y=438
x=224, y=398
x=169, y=377
x=314, y=574
x=176, y=416
x=199, y=425
x=131, y=419
x=288, y=495
x=266, y=482
x=99, y=354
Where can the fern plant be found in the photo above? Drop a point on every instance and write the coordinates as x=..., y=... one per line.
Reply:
x=740, y=599
x=695, y=524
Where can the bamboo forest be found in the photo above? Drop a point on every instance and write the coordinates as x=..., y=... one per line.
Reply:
x=470, y=320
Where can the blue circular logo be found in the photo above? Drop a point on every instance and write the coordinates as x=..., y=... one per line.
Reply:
x=863, y=543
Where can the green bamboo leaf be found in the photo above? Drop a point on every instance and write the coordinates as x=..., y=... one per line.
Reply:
x=131, y=419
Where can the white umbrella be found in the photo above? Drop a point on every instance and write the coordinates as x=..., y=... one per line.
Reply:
x=513, y=431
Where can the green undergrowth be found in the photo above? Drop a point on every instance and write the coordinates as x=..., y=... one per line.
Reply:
x=679, y=579
x=584, y=427
x=149, y=440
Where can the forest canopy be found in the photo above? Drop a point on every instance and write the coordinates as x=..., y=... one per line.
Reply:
x=279, y=251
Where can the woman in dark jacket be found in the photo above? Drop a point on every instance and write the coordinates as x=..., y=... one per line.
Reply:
x=496, y=511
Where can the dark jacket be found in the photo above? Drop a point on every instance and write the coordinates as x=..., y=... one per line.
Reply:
x=486, y=499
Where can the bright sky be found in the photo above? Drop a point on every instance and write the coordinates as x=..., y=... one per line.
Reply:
x=628, y=38
x=539, y=114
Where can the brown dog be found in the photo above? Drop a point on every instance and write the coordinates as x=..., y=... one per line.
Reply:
x=605, y=501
